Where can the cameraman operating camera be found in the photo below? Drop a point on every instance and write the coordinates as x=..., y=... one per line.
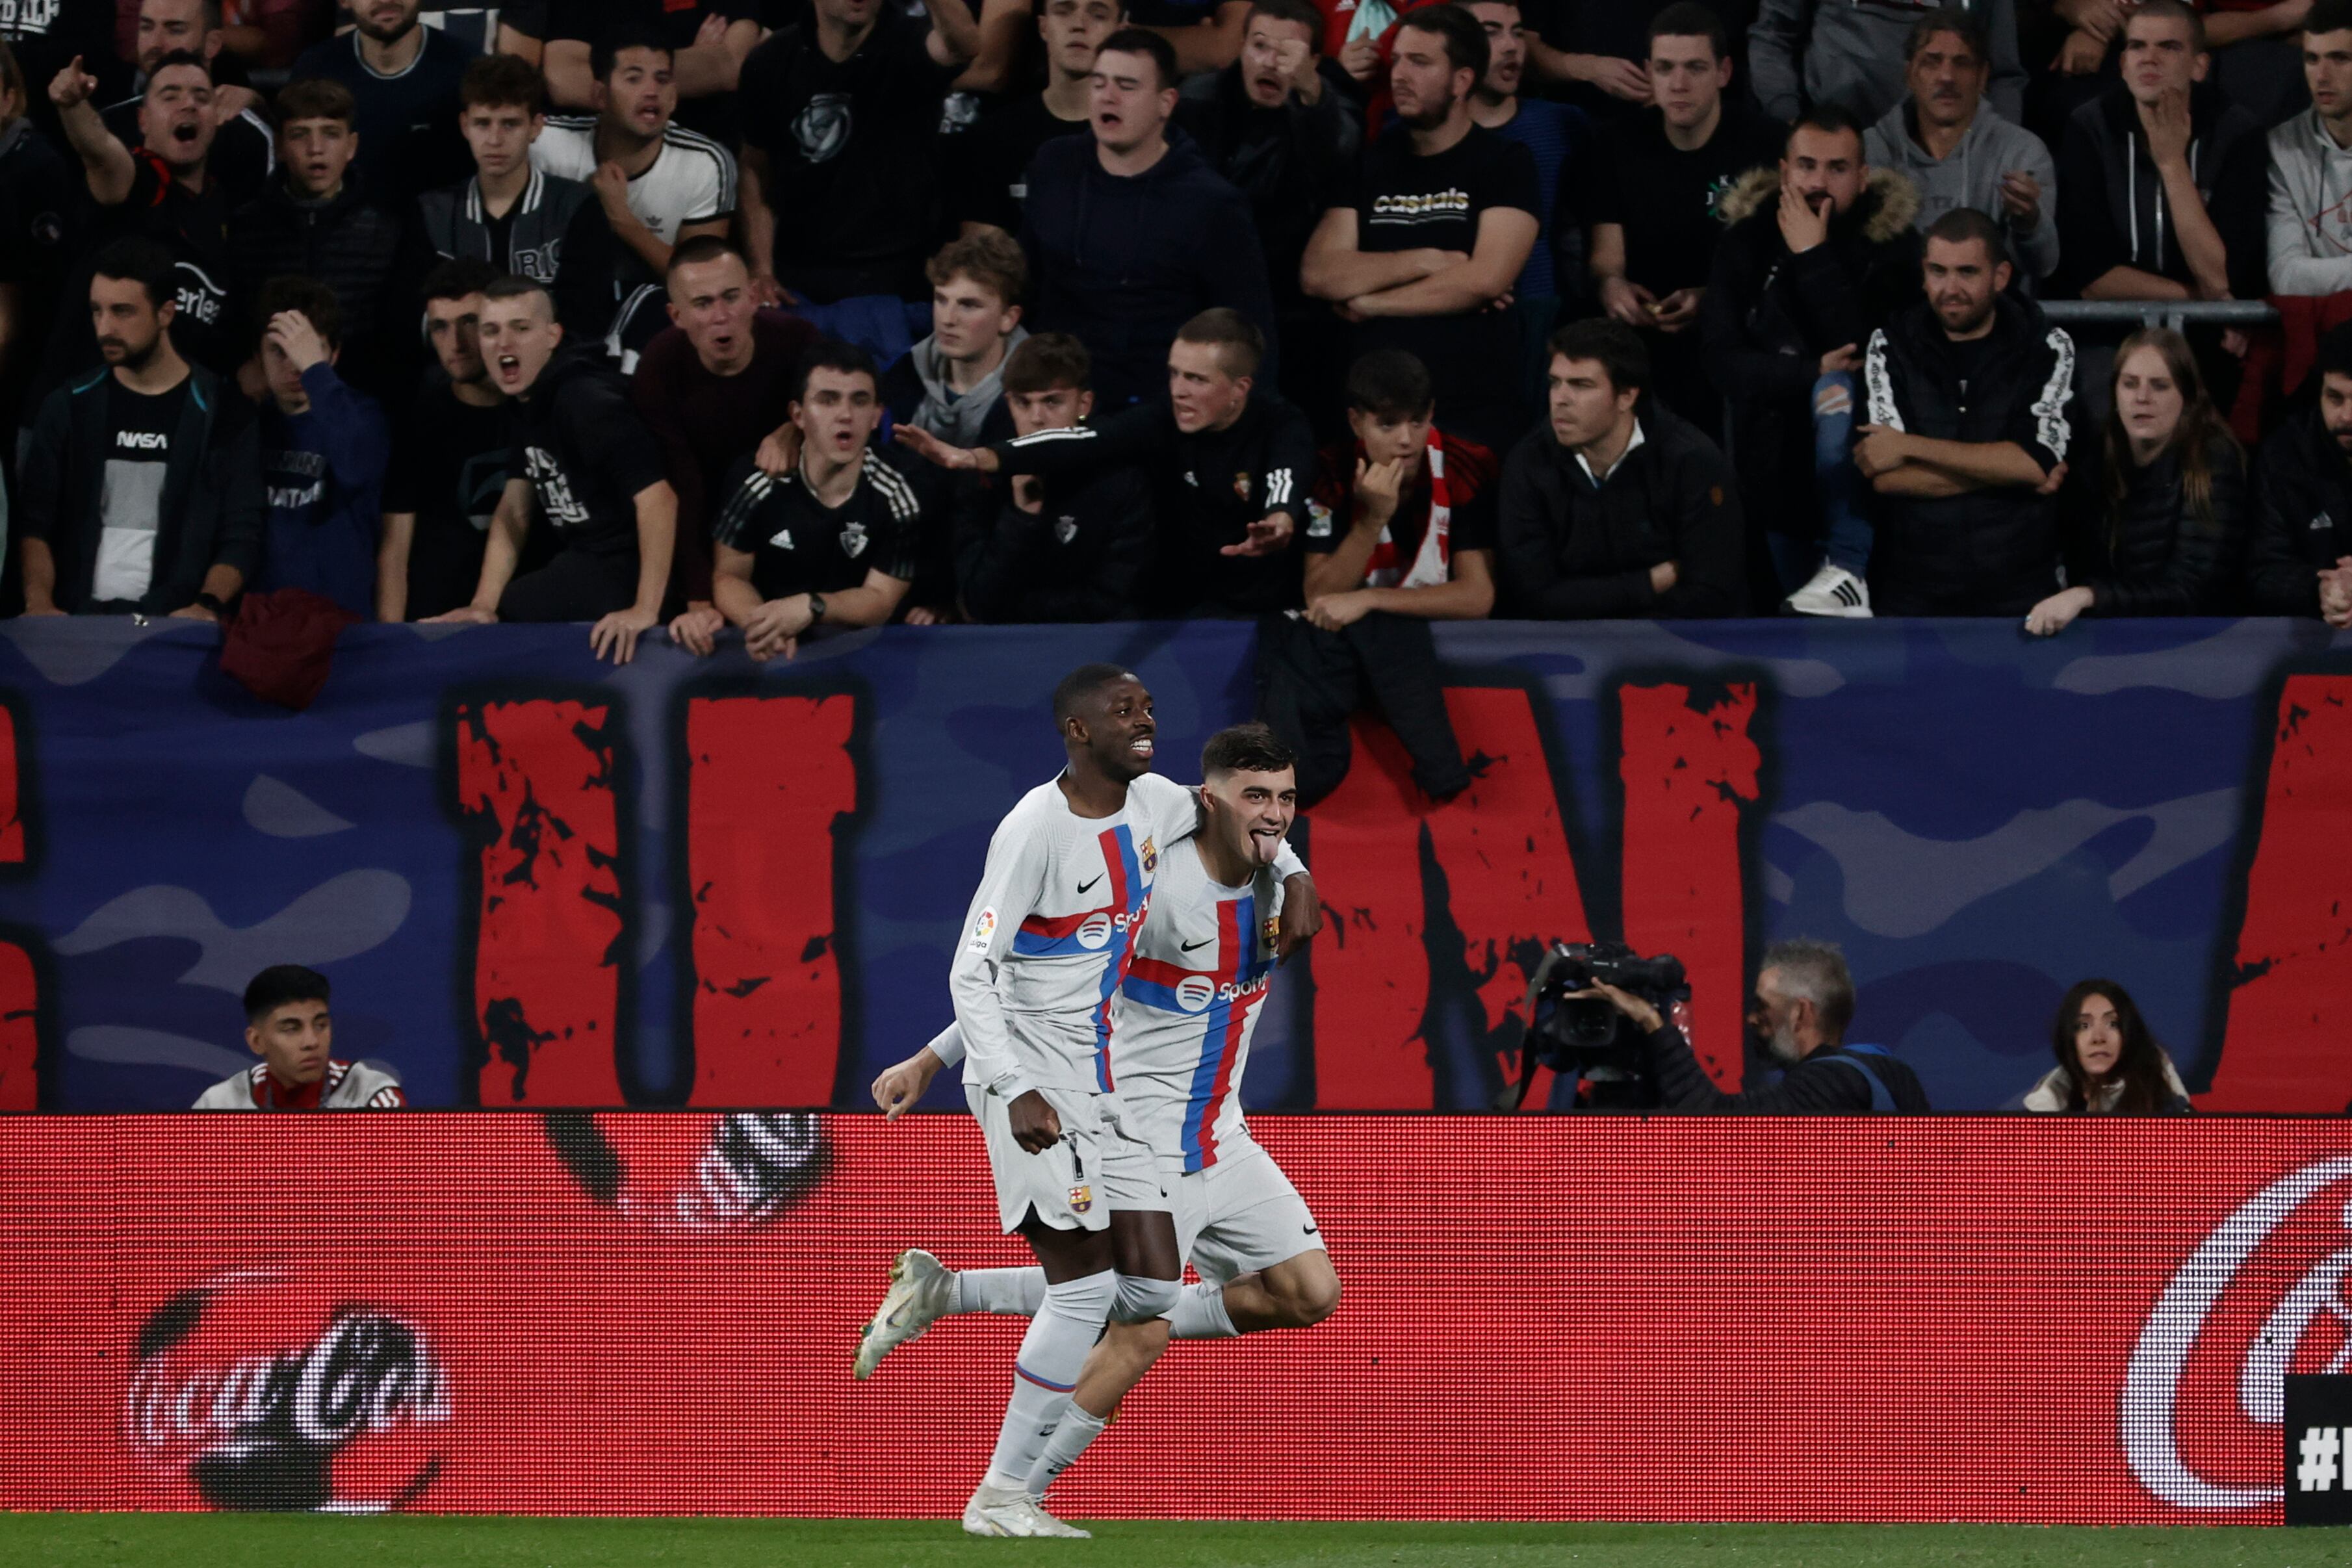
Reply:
x=1804, y=999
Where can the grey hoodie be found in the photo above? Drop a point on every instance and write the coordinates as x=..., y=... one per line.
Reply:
x=957, y=420
x=2310, y=209
x=1969, y=176
x=1850, y=53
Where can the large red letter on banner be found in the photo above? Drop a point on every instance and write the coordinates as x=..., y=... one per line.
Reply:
x=1510, y=885
x=768, y=778
x=1689, y=769
x=536, y=790
x=2282, y=1051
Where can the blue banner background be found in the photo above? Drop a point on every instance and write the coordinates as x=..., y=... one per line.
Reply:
x=1980, y=819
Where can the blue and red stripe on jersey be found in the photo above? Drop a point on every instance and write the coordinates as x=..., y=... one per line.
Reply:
x=1237, y=978
x=1057, y=935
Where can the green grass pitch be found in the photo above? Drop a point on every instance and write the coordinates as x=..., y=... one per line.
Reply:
x=211, y=1541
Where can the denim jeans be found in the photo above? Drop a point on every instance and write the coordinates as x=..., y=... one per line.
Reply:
x=1847, y=536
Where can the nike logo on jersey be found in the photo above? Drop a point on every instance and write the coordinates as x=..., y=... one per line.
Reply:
x=1084, y=885
x=1188, y=947
x=1308, y=1228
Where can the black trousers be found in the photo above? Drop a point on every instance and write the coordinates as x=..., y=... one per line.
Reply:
x=574, y=586
x=1310, y=681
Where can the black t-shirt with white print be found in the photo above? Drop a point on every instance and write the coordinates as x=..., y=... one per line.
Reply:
x=1405, y=202
x=799, y=544
x=142, y=426
x=580, y=441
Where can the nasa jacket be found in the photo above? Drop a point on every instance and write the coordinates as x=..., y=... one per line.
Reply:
x=1207, y=487
x=2302, y=516
x=1122, y=261
x=1989, y=551
x=556, y=234
x=211, y=509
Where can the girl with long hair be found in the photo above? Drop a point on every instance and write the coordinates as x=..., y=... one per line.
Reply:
x=2108, y=1063
x=2168, y=524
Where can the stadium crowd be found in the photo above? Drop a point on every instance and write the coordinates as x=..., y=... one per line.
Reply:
x=790, y=316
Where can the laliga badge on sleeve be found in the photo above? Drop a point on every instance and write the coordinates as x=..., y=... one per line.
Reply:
x=983, y=928
x=2319, y=1432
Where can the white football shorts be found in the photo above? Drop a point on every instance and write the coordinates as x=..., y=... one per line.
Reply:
x=1242, y=1215
x=1098, y=1166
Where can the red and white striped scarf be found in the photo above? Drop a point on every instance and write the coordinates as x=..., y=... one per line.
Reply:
x=1433, y=563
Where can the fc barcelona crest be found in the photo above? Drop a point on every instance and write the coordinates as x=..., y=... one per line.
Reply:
x=1082, y=1198
x=1149, y=855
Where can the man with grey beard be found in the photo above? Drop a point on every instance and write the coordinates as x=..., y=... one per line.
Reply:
x=1803, y=1002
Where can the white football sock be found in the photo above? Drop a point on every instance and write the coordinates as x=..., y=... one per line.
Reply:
x=1061, y=1449
x=1201, y=1314
x=1052, y=1353
x=1014, y=1293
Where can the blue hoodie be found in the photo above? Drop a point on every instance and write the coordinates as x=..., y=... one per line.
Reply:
x=324, y=469
x=1122, y=261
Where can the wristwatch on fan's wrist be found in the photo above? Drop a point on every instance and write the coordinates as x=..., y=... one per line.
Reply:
x=212, y=603
x=816, y=608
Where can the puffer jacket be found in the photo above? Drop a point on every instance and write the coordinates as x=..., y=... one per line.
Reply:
x=2157, y=556
x=1990, y=551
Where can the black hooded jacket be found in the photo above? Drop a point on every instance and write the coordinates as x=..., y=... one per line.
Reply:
x=1990, y=551
x=1770, y=316
x=2115, y=212
x=2302, y=519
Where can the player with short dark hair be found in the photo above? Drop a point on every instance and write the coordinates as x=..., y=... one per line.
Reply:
x=1185, y=1014
x=288, y=1026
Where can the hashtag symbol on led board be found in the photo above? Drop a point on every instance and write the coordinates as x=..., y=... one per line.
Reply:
x=2318, y=1471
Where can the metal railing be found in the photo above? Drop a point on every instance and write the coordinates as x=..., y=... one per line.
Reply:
x=2176, y=314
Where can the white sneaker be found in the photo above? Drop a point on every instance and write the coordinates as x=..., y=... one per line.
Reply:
x=921, y=1290
x=994, y=1513
x=1832, y=591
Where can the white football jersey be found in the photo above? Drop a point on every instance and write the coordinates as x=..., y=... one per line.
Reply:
x=1191, y=1002
x=348, y=1086
x=1050, y=934
x=691, y=181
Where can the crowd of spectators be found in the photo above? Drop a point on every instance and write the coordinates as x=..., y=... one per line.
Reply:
x=790, y=316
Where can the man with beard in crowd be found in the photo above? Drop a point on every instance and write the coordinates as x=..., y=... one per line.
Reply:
x=2300, y=557
x=1820, y=252
x=1438, y=228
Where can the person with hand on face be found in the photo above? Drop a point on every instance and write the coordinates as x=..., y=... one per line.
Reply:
x=1957, y=152
x=2299, y=561
x=2108, y=1062
x=315, y=223
x=987, y=167
x=1031, y=550
x=2166, y=179
x=841, y=116
x=403, y=77
x=1820, y=253
x=1422, y=254
x=139, y=488
x=164, y=191
x=1272, y=125
x=656, y=182
x=585, y=463
x=2171, y=513
x=1649, y=188
x=1965, y=437
x=1802, y=1009
x=715, y=385
x=240, y=155
x=518, y=219
x=324, y=449
x=1131, y=233
x=449, y=463
x=1224, y=543
x=1615, y=507
x=288, y=1026
x=830, y=543
x=1401, y=532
